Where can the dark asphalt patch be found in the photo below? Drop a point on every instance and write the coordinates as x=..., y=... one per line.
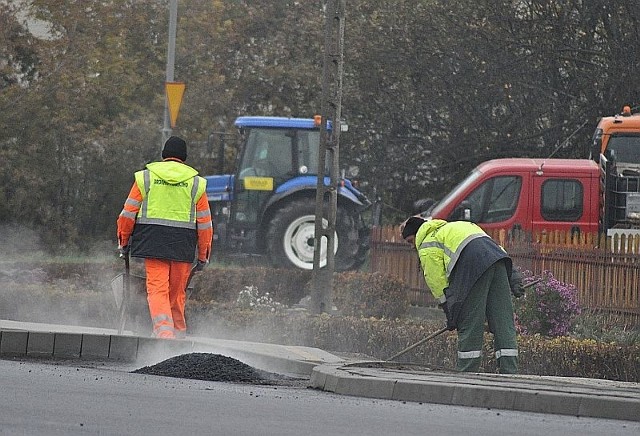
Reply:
x=214, y=367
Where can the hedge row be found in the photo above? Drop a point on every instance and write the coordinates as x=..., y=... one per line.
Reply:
x=354, y=293
x=373, y=323
x=381, y=339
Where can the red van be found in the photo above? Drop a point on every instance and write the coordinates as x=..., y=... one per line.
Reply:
x=527, y=194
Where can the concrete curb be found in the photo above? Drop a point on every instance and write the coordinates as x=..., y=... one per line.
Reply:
x=78, y=345
x=69, y=342
x=554, y=395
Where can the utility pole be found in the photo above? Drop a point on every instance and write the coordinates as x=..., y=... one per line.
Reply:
x=171, y=55
x=327, y=196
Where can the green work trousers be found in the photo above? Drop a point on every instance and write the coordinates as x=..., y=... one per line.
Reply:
x=490, y=299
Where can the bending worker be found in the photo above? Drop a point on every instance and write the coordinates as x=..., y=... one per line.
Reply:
x=468, y=274
x=166, y=220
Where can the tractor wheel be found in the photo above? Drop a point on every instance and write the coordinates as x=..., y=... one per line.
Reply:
x=290, y=237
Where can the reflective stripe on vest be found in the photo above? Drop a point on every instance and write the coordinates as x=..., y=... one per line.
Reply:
x=452, y=255
x=153, y=210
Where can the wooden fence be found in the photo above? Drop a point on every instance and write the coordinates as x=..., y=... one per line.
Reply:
x=605, y=270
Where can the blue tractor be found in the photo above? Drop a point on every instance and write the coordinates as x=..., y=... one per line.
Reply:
x=267, y=206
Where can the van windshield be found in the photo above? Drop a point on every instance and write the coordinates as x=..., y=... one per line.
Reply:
x=455, y=192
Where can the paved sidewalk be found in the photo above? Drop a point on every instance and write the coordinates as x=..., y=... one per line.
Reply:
x=373, y=379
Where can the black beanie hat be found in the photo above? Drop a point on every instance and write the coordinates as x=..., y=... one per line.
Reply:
x=411, y=226
x=175, y=147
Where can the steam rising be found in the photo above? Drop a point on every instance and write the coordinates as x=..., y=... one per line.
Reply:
x=38, y=287
x=75, y=290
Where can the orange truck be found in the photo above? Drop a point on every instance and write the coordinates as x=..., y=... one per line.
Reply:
x=618, y=138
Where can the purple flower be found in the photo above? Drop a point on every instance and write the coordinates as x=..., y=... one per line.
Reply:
x=549, y=309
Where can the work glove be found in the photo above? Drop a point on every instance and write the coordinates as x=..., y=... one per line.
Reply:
x=123, y=251
x=515, y=281
x=200, y=265
x=445, y=308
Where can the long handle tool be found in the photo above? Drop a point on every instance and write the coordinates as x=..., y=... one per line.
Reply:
x=122, y=315
x=406, y=350
x=442, y=330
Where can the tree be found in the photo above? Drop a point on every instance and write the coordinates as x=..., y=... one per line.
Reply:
x=431, y=89
x=88, y=84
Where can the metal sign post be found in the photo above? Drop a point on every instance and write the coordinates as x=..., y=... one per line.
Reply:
x=171, y=55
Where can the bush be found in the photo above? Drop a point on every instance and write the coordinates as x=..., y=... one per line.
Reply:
x=250, y=298
x=223, y=285
x=546, y=309
x=605, y=327
x=370, y=295
x=571, y=357
x=38, y=292
x=354, y=293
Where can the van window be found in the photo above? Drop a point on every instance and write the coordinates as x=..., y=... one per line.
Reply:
x=495, y=200
x=562, y=200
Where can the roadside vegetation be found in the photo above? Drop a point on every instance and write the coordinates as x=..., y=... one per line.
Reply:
x=373, y=318
x=431, y=89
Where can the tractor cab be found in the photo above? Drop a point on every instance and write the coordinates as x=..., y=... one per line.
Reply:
x=267, y=205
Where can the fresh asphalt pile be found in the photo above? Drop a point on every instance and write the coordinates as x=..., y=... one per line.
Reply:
x=214, y=367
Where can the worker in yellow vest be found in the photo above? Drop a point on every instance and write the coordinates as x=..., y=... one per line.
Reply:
x=469, y=275
x=167, y=221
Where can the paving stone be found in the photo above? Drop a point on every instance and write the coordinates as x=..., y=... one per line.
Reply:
x=370, y=387
x=95, y=346
x=610, y=407
x=67, y=345
x=40, y=344
x=482, y=395
x=13, y=343
x=123, y=348
x=545, y=401
x=424, y=392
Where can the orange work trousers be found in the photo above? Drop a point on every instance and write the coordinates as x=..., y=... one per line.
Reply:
x=166, y=295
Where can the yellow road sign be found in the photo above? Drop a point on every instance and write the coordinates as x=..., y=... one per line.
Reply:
x=175, y=91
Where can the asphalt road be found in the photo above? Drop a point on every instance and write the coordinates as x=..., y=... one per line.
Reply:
x=72, y=398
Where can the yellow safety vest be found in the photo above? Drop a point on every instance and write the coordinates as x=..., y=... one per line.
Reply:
x=439, y=248
x=170, y=191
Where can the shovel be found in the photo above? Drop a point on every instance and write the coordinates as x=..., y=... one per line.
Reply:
x=442, y=330
x=428, y=338
x=122, y=314
x=189, y=289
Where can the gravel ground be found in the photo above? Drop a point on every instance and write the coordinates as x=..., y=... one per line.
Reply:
x=215, y=367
